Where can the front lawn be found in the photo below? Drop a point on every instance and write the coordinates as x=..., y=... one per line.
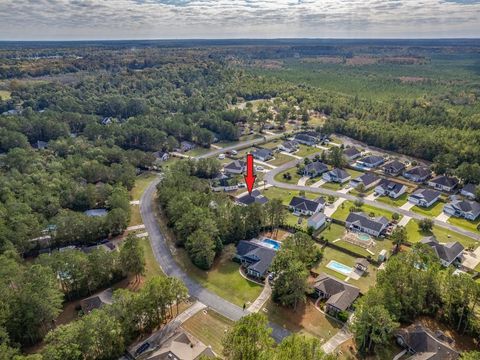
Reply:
x=344, y=209
x=354, y=173
x=304, y=150
x=286, y=195
x=431, y=211
x=135, y=216
x=443, y=235
x=151, y=265
x=464, y=223
x=401, y=200
x=223, y=278
x=333, y=186
x=209, y=328
x=293, y=173
x=199, y=150
x=280, y=159
x=306, y=320
x=272, y=144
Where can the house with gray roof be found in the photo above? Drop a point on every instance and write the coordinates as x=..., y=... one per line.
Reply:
x=336, y=175
x=235, y=167
x=367, y=179
x=96, y=301
x=466, y=209
x=352, y=153
x=390, y=188
x=255, y=258
x=424, y=197
x=254, y=198
x=371, y=161
x=289, y=146
x=469, y=191
x=316, y=221
x=361, y=222
x=446, y=252
x=424, y=344
x=339, y=295
x=302, y=206
x=315, y=169
x=443, y=183
x=393, y=168
x=309, y=138
x=262, y=154
x=418, y=174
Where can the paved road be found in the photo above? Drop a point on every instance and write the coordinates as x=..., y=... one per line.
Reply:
x=269, y=179
x=165, y=259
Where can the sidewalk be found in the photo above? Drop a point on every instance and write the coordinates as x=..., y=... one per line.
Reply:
x=261, y=299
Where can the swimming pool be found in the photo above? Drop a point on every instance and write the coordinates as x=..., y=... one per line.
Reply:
x=363, y=237
x=275, y=245
x=339, y=267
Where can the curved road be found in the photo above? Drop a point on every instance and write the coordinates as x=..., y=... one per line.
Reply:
x=270, y=179
x=165, y=259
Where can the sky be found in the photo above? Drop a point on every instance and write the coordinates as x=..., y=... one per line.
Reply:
x=193, y=19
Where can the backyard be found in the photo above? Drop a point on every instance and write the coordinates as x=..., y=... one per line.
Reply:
x=402, y=199
x=344, y=209
x=286, y=195
x=209, y=327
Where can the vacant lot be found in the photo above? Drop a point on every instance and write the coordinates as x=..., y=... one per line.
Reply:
x=209, y=327
x=286, y=195
x=151, y=266
x=432, y=211
x=304, y=150
x=344, y=209
x=443, y=235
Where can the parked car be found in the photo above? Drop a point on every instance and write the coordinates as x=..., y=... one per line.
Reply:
x=260, y=168
x=221, y=156
x=234, y=152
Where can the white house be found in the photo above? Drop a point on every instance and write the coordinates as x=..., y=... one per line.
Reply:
x=317, y=221
x=303, y=206
x=424, y=197
x=361, y=222
x=443, y=183
x=447, y=253
x=288, y=146
x=336, y=175
x=390, y=188
x=469, y=210
x=371, y=161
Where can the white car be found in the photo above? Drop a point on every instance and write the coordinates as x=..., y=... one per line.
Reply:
x=234, y=152
x=260, y=168
x=221, y=157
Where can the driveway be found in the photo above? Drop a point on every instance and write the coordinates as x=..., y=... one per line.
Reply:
x=303, y=180
x=165, y=260
x=443, y=217
x=407, y=206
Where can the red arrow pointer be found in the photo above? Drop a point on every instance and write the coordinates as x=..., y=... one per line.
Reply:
x=250, y=177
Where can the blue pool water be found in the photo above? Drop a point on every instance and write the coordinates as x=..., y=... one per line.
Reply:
x=275, y=245
x=363, y=237
x=341, y=268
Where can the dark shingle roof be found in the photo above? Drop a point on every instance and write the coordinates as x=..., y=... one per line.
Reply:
x=419, y=171
x=301, y=203
x=447, y=252
x=391, y=186
x=367, y=178
x=262, y=256
x=263, y=153
x=235, y=165
x=426, y=344
x=445, y=180
x=427, y=194
x=470, y=188
x=351, y=151
x=395, y=165
x=254, y=197
x=467, y=206
x=376, y=224
x=372, y=159
x=339, y=173
x=317, y=166
x=292, y=144
x=342, y=295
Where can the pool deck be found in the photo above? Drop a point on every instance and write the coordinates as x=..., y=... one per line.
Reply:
x=352, y=274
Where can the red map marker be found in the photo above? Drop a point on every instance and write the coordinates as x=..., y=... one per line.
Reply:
x=250, y=177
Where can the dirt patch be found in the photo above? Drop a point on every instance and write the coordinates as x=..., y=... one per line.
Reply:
x=268, y=64
x=412, y=79
x=324, y=60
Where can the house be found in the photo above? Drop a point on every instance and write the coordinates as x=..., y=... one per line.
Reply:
x=224, y=183
x=371, y=161
x=300, y=205
x=309, y=138
x=254, y=197
x=235, y=167
x=469, y=191
x=339, y=295
x=288, y=146
x=447, y=253
x=390, y=188
x=316, y=221
x=424, y=197
x=361, y=222
x=443, y=183
x=336, y=175
x=361, y=264
x=255, y=258
x=393, y=168
x=186, y=146
x=40, y=145
x=424, y=344
x=314, y=169
x=106, y=121
x=352, y=153
x=180, y=346
x=97, y=301
x=262, y=154
x=466, y=209
x=418, y=174
x=368, y=180
x=161, y=155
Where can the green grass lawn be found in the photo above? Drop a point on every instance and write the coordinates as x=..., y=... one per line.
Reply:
x=223, y=279
x=332, y=232
x=151, y=266
x=141, y=183
x=304, y=150
x=354, y=173
x=280, y=159
x=464, y=223
x=272, y=144
x=292, y=220
x=135, y=217
x=209, y=328
x=364, y=283
x=199, y=150
x=333, y=186
x=306, y=320
x=394, y=202
x=354, y=192
x=443, y=235
x=344, y=209
x=286, y=195
x=293, y=174
x=432, y=211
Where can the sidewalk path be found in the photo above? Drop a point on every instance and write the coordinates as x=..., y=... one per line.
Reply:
x=261, y=299
x=136, y=227
x=303, y=180
x=336, y=340
x=404, y=221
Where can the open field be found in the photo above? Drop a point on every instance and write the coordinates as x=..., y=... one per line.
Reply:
x=344, y=209
x=443, y=235
x=135, y=216
x=304, y=150
x=209, y=328
x=306, y=319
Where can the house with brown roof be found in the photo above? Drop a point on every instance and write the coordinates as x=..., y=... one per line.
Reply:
x=339, y=295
